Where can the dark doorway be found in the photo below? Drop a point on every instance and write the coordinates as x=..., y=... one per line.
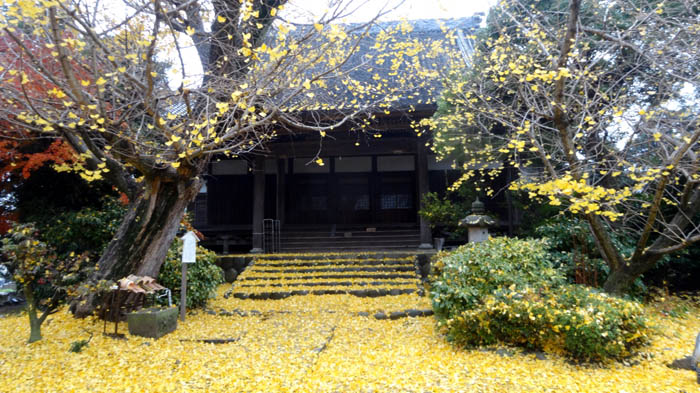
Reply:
x=353, y=199
x=308, y=201
x=230, y=200
x=396, y=198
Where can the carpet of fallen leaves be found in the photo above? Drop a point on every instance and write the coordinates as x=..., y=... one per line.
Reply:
x=338, y=272
x=316, y=344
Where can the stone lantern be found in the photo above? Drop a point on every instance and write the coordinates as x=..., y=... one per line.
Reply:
x=477, y=222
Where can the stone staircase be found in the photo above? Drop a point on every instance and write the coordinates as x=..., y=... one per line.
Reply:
x=365, y=274
x=295, y=240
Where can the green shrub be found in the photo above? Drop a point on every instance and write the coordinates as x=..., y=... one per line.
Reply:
x=45, y=279
x=203, y=276
x=463, y=277
x=573, y=320
x=86, y=230
x=574, y=249
x=572, y=246
x=444, y=215
x=507, y=291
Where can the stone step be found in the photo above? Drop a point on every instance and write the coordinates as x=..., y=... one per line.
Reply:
x=349, y=241
x=398, y=237
x=335, y=290
x=310, y=263
x=359, y=293
x=330, y=276
x=413, y=313
x=342, y=248
x=329, y=284
x=355, y=254
x=408, y=313
x=398, y=268
x=341, y=232
x=328, y=281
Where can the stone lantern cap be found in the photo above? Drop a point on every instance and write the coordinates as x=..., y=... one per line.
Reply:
x=478, y=218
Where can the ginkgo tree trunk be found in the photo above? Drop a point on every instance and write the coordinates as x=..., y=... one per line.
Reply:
x=96, y=75
x=597, y=104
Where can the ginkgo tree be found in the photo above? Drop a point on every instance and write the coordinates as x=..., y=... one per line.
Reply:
x=92, y=74
x=597, y=105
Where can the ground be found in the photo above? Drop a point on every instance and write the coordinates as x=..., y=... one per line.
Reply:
x=285, y=328
x=319, y=344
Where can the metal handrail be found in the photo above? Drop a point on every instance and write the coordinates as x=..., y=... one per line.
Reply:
x=271, y=236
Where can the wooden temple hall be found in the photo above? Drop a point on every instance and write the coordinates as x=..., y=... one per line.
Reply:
x=366, y=195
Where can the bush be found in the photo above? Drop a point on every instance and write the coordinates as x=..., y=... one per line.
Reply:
x=45, y=279
x=88, y=229
x=574, y=320
x=203, y=276
x=573, y=247
x=444, y=215
x=508, y=291
x=463, y=277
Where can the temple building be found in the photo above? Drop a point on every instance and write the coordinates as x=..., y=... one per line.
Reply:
x=364, y=193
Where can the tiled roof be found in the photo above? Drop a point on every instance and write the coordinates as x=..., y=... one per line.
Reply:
x=362, y=67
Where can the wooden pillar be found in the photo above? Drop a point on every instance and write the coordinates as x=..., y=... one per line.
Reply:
x=281, y=189
x=422, y=179
x=258, y=203
x=374, y=189
x=332, y=192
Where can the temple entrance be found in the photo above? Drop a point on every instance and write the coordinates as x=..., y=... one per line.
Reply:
x=350, y=199
x=352, y=196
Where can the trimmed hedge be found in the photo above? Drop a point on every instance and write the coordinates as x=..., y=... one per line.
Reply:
x=507, y=290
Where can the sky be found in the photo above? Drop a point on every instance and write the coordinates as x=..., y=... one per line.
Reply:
x=409, y=9
x=309, y=11
x=306, y=11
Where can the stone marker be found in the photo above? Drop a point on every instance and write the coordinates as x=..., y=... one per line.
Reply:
x=689, y=362
x=230, y=275
x=685, y=363
x=696, y=352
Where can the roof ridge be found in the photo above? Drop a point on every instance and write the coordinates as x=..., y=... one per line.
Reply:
x=423, y=25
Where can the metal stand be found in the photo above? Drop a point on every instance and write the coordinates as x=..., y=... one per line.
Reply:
x=271, y=236
x=118, y=303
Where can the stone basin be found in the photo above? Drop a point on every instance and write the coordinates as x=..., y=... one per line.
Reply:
x=153, y=322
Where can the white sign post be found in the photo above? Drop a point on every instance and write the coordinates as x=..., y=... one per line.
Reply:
x=189, y=255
